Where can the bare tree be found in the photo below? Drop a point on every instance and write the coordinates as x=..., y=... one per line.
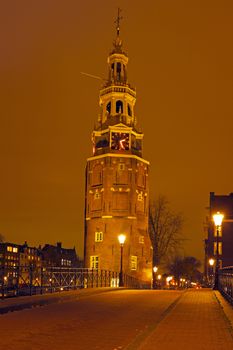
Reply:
x=187, y=267
x=165, y=230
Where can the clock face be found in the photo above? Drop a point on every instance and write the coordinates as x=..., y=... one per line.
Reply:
x=120, y=141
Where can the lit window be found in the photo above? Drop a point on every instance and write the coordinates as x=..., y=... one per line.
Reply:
x=219, y=231
x=219, y=248
x=64, y=262
x=133, y=261
x=94, y=262
x=141, y=239
x=9, y=249
x=15, y=250
x=99, y=236
x=140, y=197
x=97, y=195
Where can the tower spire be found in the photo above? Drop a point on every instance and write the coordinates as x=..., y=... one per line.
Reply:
x=118, y=42
x=117, y=21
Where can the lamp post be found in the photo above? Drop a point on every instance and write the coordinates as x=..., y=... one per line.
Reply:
x=159, y=281
x=121, y=239
x=210, y=275
x=155, y=269
x=218, y=217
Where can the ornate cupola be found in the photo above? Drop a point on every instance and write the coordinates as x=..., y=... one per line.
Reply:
x=116, y=127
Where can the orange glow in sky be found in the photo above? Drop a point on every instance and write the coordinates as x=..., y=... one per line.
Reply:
x=180, y=60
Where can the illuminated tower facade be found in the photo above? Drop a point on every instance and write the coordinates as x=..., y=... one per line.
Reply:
x=117, y=181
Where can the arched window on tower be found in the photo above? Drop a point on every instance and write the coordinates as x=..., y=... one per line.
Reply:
x=118, y=71
x=124, y=73
x=129, y=110
x=108, y=107
x=112, y=71
x=119, y=106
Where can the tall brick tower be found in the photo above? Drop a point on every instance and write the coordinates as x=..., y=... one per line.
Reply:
x=117, y=179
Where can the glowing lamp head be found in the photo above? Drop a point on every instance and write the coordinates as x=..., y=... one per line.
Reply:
x=121, y=239
x=211, y=262
x=155, y=269
x=218, y=218
x=159, y=277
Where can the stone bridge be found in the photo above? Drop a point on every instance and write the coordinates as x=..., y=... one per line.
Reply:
x=113, y=319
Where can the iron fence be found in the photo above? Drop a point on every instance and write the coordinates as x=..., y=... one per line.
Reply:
x=31, y=280
x=226, y=283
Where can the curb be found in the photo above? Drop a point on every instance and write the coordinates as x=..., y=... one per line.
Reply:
x=28, y=302
x=226, y=306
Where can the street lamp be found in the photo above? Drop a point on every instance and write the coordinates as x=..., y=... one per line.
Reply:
x=121, y=239
x=211, y=262
x=168, y=280
x=218, y=217
x=211, y=272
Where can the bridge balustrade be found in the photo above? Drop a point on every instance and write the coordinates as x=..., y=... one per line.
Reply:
x=226, y=282
x=31, y=280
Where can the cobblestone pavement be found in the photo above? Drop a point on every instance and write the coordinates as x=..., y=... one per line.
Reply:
x=124, y=319
x=196, y=322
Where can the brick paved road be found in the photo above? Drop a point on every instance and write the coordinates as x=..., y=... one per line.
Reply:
x=123, y=319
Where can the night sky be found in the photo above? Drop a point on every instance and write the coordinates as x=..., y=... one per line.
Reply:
x=181, y=63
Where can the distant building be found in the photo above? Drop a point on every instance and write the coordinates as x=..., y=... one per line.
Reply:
x=30, y=261
x=224, y=205
x=9, y=254
x=9, y=260
x=55, y=255
x=19, y=264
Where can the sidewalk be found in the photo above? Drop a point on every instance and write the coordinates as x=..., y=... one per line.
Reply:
x=197, y=321
x=27, y=302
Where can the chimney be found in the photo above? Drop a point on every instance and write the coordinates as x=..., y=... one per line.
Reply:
x=59, y=245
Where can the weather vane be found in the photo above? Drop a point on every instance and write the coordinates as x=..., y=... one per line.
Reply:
x=117, y=21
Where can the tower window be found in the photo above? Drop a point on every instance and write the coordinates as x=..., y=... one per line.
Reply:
x=97, y=195
x=94, y=262
x=133, y=262
x=129, y=110
x=98, y=236
x=108, y=107
x=141, y=239
x=121, y=166
x=140, y=197
x=119, y=106
x=118, y=70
